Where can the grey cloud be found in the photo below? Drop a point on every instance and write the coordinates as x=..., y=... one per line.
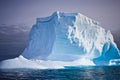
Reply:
x=6, y=29
x=13, y=39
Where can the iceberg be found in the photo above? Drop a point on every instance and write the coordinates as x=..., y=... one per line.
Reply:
x=67, y=39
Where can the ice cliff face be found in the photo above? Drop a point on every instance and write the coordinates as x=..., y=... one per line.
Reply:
x=70, y=36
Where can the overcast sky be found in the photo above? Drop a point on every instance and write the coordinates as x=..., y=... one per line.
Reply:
x=18, y=16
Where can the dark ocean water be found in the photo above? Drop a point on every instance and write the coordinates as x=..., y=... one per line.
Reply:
x=81, y=73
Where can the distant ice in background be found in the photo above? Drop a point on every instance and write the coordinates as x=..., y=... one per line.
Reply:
x=66, y=39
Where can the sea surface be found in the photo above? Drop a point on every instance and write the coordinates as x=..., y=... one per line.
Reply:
x=70, y=73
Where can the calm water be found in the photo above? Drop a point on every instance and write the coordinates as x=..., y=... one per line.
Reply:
x=83, y=73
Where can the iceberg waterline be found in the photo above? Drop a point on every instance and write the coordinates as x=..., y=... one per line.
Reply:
x=66, y=39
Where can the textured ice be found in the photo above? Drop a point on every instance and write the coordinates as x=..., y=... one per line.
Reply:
x=69, y=37
x=114, y=62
